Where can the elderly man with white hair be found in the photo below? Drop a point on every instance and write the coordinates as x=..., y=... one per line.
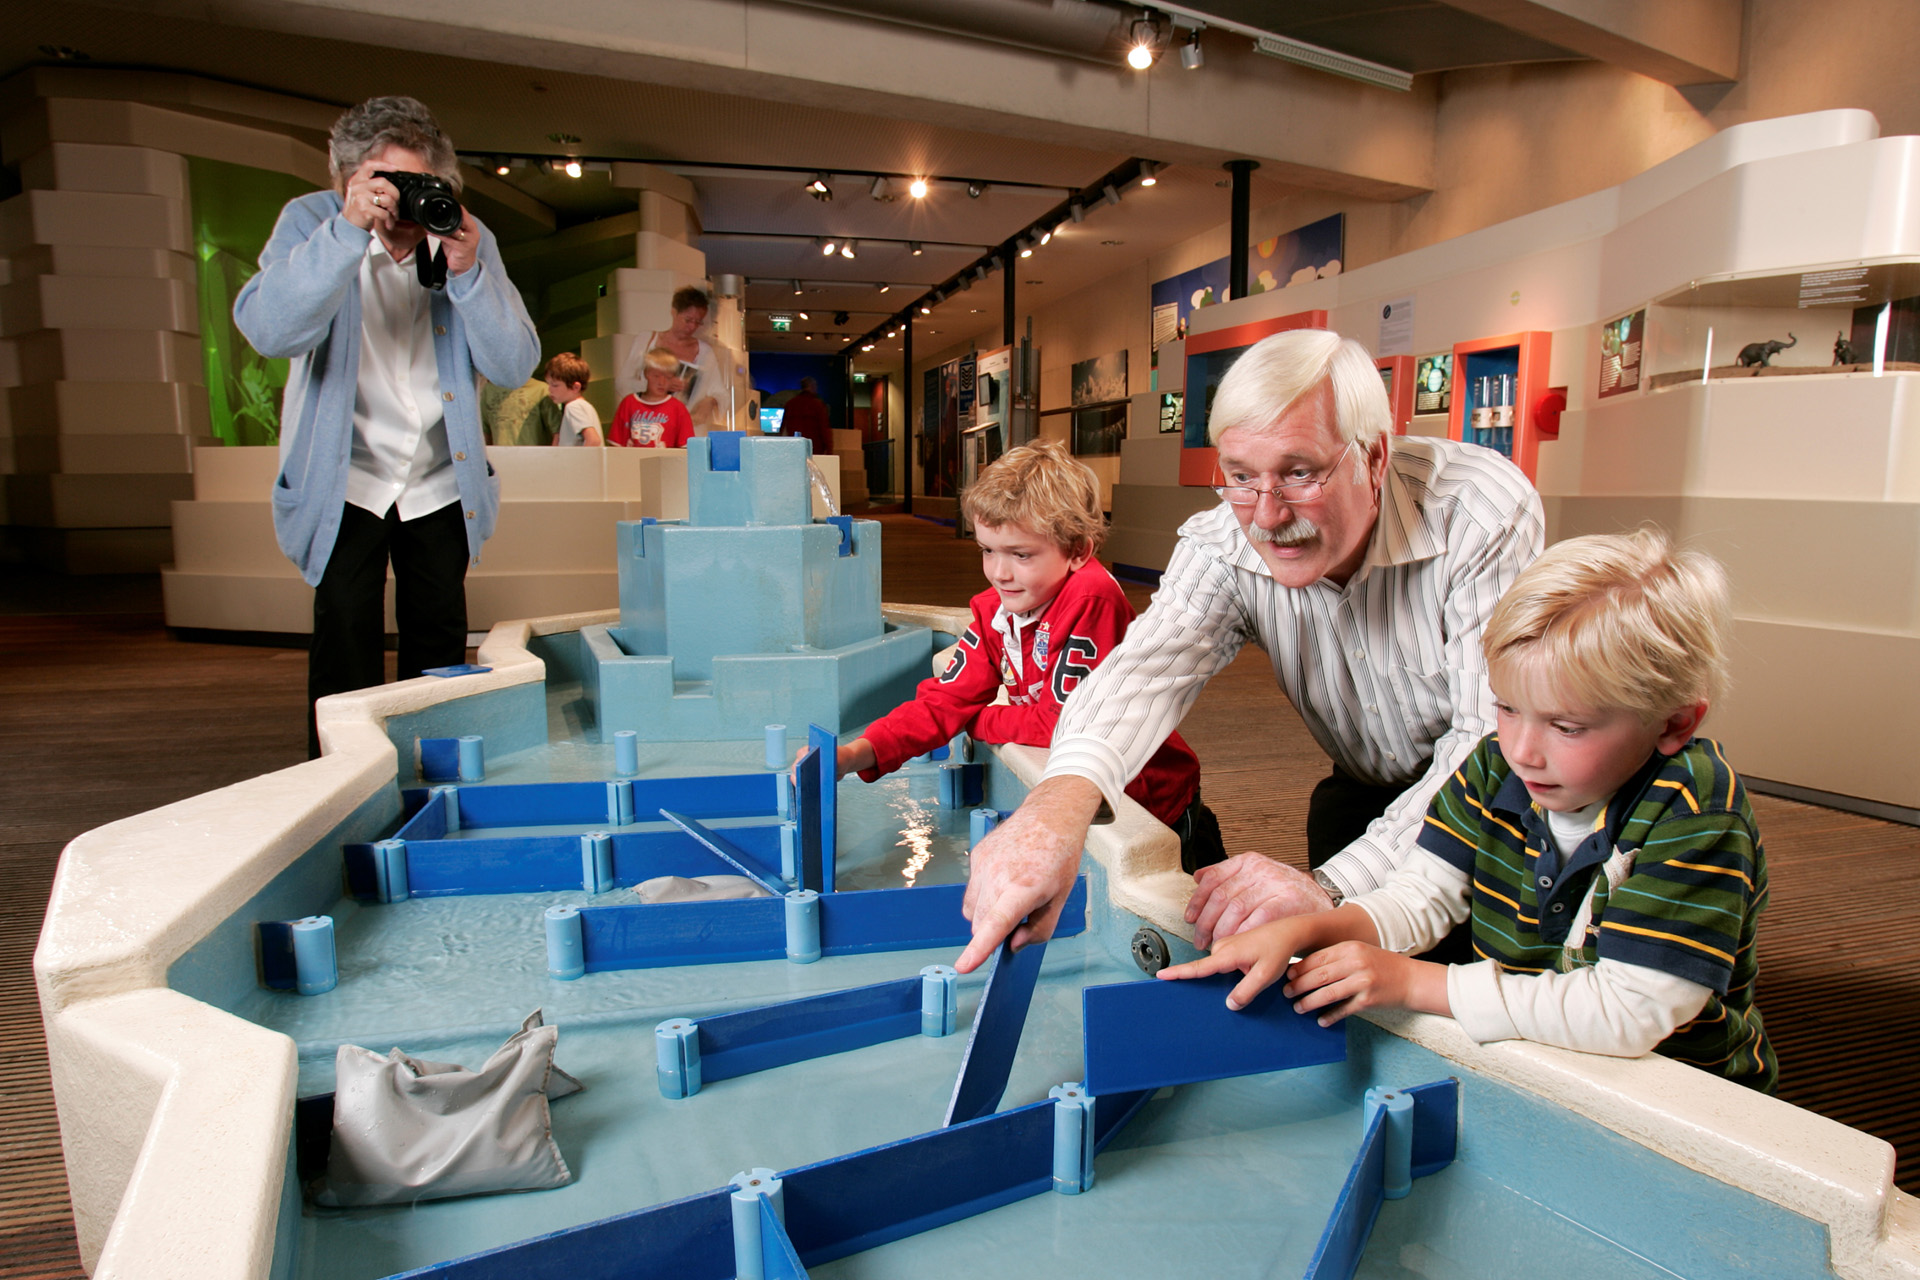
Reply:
x=1365, y=566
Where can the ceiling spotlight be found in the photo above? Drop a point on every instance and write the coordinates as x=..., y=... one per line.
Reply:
x=846, y=250
x=883, y=286
x=1045, y=235
x=806, y=337
x=840, y=317
x=827, y=247
x=797, y=290
x=803, y=315
x=917, y=188
x=1026, y=247
x=1149, y=174
x=879, y=188
x=573, y=168
x=1192, y=56
x=818, y=188
x=974, y=189
x=1077, y=211
x=502, y=165
x=914, y=248
x=925, y=310
x=1146, y=38
x=868, y=346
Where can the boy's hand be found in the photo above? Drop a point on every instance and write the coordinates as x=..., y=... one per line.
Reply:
x=1350, y=976
x=1262, y=954
x=853, y=756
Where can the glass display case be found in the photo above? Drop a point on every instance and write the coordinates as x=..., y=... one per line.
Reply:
x=1499, y=394
x=1847, y=317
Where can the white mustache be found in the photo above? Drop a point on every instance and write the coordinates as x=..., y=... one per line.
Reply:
x=1296, y=532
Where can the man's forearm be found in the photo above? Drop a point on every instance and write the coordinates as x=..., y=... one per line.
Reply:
x=1064, y=803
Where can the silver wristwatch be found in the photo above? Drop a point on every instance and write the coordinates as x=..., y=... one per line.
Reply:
x=1334, y=891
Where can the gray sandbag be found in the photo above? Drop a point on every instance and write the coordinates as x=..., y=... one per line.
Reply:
x=408, y=1129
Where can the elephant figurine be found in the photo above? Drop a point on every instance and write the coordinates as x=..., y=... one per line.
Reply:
x=1758, y=355
x=1844, y=351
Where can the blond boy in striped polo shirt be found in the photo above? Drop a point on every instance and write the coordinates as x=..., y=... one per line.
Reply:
x=1606, y=856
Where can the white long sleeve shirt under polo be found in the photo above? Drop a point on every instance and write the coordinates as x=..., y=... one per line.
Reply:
x=400, y=451
x=1386, y=671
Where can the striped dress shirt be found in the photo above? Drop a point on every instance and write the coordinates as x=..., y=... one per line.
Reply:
x=1386, y=671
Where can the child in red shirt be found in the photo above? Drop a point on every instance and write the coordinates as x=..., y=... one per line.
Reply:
x=656, y=420
x=1049, y=617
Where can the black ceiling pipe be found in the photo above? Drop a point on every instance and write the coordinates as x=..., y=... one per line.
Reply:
x=1242, y=171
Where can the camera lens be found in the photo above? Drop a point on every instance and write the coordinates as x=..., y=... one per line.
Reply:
x=436, y=211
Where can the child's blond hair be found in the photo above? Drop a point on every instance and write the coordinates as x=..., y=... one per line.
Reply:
x=1040, y=487
x=568, y=368
x=662, y=360
x=1617, y=621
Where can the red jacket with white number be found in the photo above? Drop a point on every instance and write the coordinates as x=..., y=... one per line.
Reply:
x=1059, y=649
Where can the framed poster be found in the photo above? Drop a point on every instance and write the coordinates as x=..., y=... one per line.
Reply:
x=1100, y=379
x=1311, y=252
x=1433, y=383
x=1097, y=432
x=1620, y=346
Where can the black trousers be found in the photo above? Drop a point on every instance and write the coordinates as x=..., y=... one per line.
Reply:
x=1338, y=814
x=429, y=556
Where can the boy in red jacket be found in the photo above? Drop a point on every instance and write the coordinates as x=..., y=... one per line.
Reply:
x=1049, y=617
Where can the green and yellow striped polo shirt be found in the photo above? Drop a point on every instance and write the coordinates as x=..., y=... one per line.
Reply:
x=1690, y=905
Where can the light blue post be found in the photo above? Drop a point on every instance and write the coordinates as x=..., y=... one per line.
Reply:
x=979, y=822
x=803, y=926
x=776, y=747
x=783, y=795
x=790, y=851
x=316, y=970
x=450, y=797
x=596, y=862
x=960, y=749
x=390, y=870
x=749, y=1189
x=1072, y=1138
x=676, y=1051
x=953, y=785
x=626, y=752
x=939, y=1000
x=1397, y=1176
x=473, y=758
x=566, y=950
x=619, y=803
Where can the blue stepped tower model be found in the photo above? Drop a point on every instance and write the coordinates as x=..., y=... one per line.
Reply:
x=748, y=613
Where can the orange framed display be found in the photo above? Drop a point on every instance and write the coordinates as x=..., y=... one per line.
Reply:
x=1476, y=417
x=1209, y=355
x=1397, y=373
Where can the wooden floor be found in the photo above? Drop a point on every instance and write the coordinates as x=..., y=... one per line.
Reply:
x=103, y=714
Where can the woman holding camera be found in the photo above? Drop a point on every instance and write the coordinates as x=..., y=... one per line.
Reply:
x=381, y=453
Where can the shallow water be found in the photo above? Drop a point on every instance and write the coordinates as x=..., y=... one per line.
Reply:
x=1232, y=1178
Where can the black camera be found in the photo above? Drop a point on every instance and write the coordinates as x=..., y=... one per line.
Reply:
x=425, y=199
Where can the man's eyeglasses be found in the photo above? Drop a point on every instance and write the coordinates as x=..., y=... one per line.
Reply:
x=1289, y=492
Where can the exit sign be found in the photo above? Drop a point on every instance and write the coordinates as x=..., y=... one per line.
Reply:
x=859, y=377
x=782, y=324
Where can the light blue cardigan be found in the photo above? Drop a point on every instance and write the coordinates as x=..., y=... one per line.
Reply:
x=305, y=304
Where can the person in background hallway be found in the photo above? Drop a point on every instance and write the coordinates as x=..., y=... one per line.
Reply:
x=808, y=417
x=700, y=383
x=567, y=376
x=381, y=453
